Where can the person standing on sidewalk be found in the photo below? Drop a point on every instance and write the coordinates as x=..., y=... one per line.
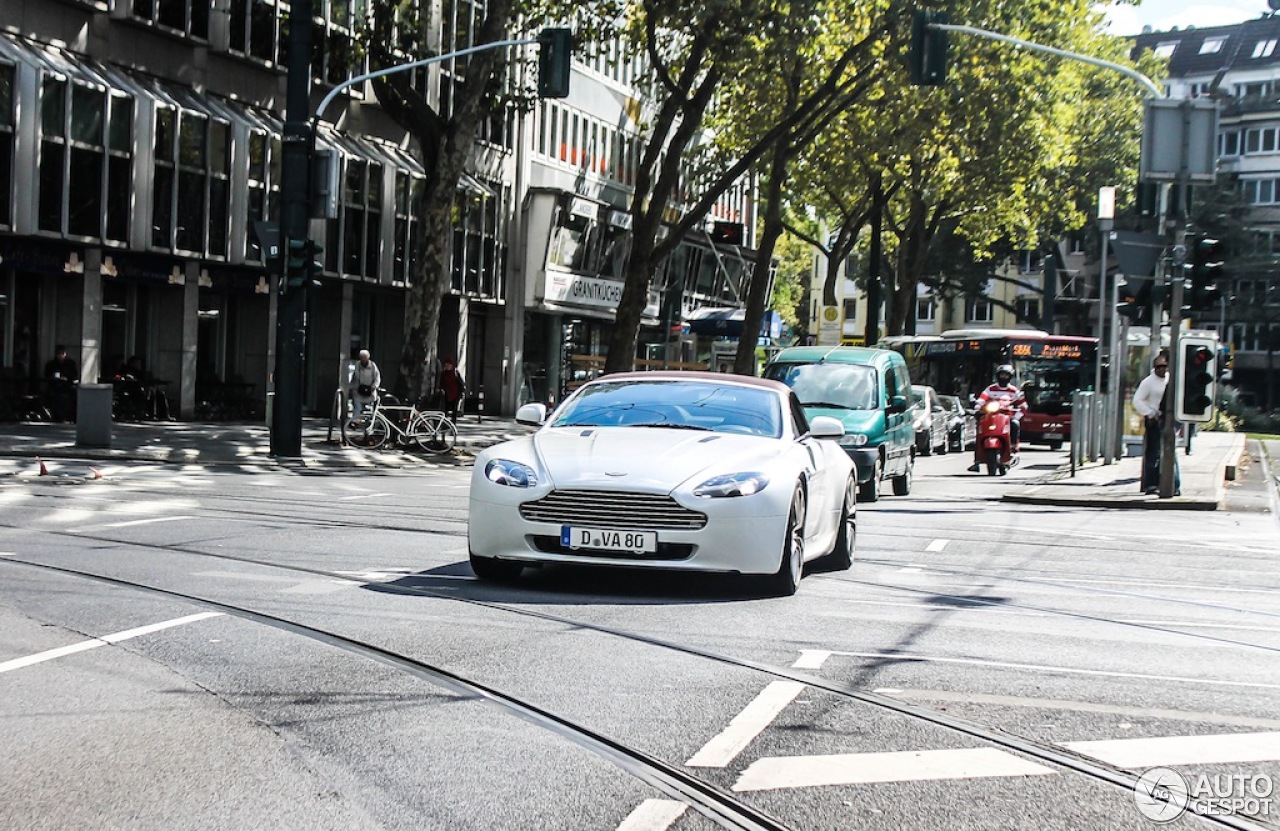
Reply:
x=452, y=387
x=1148, y=401
x=362, y=386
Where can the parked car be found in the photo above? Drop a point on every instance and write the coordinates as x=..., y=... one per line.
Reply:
x=962, y=424
x=929, y=420
x=689, y=471
x=869, y=391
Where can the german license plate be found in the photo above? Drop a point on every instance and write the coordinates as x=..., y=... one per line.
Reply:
x=603, y=539
x=1053, y=436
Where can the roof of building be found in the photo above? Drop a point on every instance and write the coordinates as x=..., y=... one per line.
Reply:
x=1229, y=48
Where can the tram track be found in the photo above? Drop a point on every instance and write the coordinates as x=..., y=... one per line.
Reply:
x=722, y=808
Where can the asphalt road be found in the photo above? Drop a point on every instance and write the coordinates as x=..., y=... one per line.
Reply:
x=982, y=665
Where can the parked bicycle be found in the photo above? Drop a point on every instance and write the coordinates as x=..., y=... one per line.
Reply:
x=385, y=419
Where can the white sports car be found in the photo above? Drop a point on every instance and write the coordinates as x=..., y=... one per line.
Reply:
x=692, y=471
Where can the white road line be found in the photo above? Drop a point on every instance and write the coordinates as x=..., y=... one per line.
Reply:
x=1227, y=748
x=1063, y=670
x=148, y=521
x=362, y=496
x=8, y=553
x=746, y=725
x=772, y=773
x=49, y=655
x=937, y=545
x=811, y=659
x=653, y=815
x=1247, y=722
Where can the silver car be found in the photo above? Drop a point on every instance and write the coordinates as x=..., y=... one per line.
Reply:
x=930, y=421
x=962, y=424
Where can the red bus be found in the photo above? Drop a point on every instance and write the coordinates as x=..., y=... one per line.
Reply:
x=1049, y=368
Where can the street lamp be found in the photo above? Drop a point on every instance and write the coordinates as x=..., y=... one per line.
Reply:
x=1106, y=222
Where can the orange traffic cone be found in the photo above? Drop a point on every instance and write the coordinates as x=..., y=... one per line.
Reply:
x=44, y=471
x=94, y=474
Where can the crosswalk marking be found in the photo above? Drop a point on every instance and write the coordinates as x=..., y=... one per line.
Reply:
x=653, y=815
x=1223, y=748
x=772, y=773
x=746, y=725
x=937, y=545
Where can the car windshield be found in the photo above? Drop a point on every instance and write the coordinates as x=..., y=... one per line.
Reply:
x=675, y=404
x=837, y=386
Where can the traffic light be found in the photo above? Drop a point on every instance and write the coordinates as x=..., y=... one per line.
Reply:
x=302, y=267
x=1208, y=255
x=1135, y=301
x=1194, y=386
x=555, y=59
x=927, y=55
x=729, y=233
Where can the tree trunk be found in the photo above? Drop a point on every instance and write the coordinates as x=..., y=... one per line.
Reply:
x=758, y=294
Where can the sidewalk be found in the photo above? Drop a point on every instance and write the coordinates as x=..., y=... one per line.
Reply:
x=1213, y=457
x=242, y=443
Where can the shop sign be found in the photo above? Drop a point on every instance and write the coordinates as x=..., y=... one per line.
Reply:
x=582, y=291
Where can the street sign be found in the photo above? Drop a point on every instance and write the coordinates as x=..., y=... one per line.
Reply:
x=1179, y=140
x=1137, y=252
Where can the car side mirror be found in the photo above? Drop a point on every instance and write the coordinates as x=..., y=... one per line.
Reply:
x=826, y=427
x=532, y=414
x=897, y=404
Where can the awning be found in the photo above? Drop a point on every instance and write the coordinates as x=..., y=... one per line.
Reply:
x=727, y=322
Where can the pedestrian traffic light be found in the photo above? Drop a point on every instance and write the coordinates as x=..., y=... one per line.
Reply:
x=927, y=55
x=555, y=59
x=1194, y=386
x=302, y=268
x=1208, y=256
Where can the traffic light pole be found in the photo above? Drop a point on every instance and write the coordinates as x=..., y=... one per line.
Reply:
x=291, y=306
x=1169, y=435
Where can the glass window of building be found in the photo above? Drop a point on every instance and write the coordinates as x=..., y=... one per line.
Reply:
x=190, y=17
x=254, y=28
x=7, y=76
x=85, y=160
x=409, y=191
x=979, y=310
x=263, y=182
x=361, y=217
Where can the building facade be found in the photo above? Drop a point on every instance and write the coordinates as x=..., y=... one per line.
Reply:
x=1239, y=66
x=140, y=148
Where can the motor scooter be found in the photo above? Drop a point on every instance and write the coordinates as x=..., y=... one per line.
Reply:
x=995, y=439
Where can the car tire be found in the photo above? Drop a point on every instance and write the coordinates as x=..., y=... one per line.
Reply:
x=1055, y=446
x=841, y=556
x=902, y=484
x=786, y=580
x=869, y=491
x=925, y=446
x=944, y=447
x=955, y=444
x=498, y=571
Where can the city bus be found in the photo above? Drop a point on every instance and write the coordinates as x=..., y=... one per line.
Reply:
x=1048, y=368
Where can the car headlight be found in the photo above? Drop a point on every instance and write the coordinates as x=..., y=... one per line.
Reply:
x=512, y=474
x=732, y=484
x=852, y=440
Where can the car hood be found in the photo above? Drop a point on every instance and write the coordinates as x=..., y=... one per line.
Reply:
x=645, y=458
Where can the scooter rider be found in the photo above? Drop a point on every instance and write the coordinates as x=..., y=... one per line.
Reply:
x=1002, y=390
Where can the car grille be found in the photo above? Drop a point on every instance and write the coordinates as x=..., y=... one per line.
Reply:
x=613, y=509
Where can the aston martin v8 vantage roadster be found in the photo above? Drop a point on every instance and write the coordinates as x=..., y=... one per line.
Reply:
x=667, y=470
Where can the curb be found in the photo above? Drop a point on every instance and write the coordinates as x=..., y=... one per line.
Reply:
x=1176, y=503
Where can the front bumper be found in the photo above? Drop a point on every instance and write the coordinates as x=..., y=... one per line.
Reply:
x=742, y=535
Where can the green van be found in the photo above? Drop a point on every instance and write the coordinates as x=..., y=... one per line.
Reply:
x=867, y=390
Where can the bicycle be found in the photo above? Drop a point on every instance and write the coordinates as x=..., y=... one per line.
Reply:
x=428, y=430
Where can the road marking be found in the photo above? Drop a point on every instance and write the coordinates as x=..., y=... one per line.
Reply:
x=894, y=656
x=772, y=773
x=937, y=545
x=8, y=553
x=50, y=654
x=746, y=725
x=1227, y=748
x=653, y=815
x=362, y=496
x=148, y=521
x=1078, y=706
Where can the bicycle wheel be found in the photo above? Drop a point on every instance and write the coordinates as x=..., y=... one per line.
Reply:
x=366, y=432
x=435, y=434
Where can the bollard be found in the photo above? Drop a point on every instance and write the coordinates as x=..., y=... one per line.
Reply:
x=93, y=415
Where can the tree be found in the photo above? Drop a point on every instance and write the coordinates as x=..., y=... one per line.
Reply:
x=395, y=32
x=692, y=48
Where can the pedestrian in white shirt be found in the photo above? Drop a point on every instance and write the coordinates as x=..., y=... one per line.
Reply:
x=362, y=386
x=1148, y=401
